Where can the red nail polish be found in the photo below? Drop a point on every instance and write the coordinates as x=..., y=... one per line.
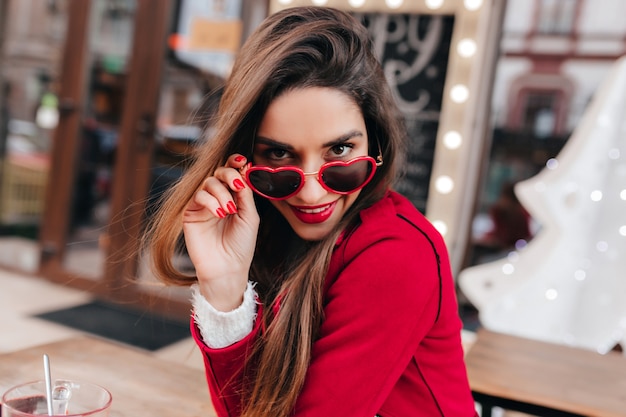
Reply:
x=220, y=213
x=239, y=158
x=239, y=185
x=232, y=208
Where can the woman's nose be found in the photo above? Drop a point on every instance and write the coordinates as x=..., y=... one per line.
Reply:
x=312, y=191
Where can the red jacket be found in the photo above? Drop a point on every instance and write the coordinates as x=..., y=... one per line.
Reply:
x=390, y=343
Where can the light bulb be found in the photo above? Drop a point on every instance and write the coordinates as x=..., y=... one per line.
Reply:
x=473, y=4
x=466, y=48
x=356, y=3
x=602, y=246
x=596, y=195
x=452, y=139
x=513, y=256
x=441, y=227
x=434, y=4
x=552, y=164
x=520, y=244
x=444, y=184
x=551, y=294
x=47, y=117
x=459, y=93
x=394, y=4
x=508, y=269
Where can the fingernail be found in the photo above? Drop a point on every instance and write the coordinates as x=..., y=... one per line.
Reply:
x=220, y=213
x=239, y=185
x=239, y=158
x=232, y=209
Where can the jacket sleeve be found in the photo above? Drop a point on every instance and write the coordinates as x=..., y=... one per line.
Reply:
x=224, y=367
x=378, y=309
x=220, y=329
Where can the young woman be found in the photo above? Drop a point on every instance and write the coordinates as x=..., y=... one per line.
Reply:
x=318, y=291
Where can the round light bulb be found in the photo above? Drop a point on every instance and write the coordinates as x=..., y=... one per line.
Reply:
x=596, y=195
x=580, y=275
x=47, y=117
x=459, y=93
x=473, y=4
x=452, y=139
x=319, y=2
x=444, y=184
x=441, y=227
x=466, y=48
x=520, y=244
x=394, y=4
x=513, y=256
x=356, y=3
x=552, y=164
x=551, y=294
x=284, y=1
x=434, y=4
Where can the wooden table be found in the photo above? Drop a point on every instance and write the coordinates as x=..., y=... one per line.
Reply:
x=545, y=379
x=141, y=384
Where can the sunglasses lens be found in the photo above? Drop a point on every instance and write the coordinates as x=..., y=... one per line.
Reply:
x=278, y=184
x=347, y=178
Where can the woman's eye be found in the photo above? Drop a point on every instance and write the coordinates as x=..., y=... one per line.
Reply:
x=276, y=154
x=341, y=151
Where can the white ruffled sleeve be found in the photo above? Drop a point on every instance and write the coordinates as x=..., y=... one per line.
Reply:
x=220, y=329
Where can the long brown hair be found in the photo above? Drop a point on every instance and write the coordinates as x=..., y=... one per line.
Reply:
x=295, y=48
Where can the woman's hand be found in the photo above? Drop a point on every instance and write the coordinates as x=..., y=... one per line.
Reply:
x=220, y=224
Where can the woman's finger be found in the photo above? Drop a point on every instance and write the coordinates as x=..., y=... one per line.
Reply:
x=202, y=207
x=236, y=161
x=233, y=176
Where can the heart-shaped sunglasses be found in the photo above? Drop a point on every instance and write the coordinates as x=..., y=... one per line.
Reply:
x=339, y=177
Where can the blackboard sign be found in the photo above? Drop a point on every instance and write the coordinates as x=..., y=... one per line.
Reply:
x=414, y=50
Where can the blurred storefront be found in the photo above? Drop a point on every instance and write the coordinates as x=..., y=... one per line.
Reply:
x=101, y=103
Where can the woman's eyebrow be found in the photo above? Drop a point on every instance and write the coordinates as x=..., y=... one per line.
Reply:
x=338, y=141
x=344, y=138
x=273, y=143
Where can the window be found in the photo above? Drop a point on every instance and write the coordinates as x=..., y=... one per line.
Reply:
x=556, y=16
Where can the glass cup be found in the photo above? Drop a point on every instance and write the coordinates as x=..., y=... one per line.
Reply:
x=69, y=398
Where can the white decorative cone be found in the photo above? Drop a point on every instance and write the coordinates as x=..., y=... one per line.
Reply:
x=568, y=285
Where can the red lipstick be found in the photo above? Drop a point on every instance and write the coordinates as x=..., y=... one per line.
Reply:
x=314, y=214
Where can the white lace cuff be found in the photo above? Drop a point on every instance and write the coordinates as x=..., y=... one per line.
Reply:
x=220, y=329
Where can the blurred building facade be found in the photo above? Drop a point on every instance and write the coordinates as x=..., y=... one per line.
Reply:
x=32, y=35
x=100, y=109
x=553, y=56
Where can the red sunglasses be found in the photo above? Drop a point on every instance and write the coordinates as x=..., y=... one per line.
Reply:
x=338, y=177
